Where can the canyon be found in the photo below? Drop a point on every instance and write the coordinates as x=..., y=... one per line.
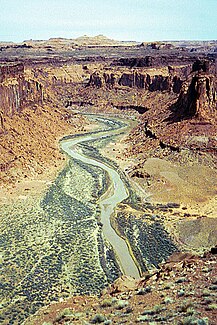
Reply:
x=54, y=241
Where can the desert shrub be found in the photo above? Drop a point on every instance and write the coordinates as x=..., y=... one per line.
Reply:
x=208, y=300
x=106, y=303
x=107, y=322
x=211, y=307
x=181, y=293
x=148, y=312
x=168, y=285
x=189, y=320
x=158, y=308
x=185, y=306
x=64, y=313
x=120, y=304
x=168, y=300
x=203, y=321
x=214, y=281
x=205, y=293
x=143, y=318
x=213, y=287
x=194, y=321
x=98, y=318
x=190, y=311
x=181, y=280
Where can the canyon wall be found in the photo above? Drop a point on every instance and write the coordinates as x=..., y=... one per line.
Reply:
x=162, y=79
x=197, y=98
x=17, y=91
x=154, y=61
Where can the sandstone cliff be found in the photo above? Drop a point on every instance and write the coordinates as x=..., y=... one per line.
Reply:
x=164, y=79
x=197, y=98
x=31, y=122
x=17, y=91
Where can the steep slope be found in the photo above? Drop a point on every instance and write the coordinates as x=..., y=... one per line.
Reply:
x=30, y=125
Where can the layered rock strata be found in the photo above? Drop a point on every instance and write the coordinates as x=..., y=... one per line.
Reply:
x=167, y=79
x=17, y=91
x=197, y=98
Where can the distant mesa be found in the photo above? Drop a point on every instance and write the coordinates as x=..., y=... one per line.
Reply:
x=85, y=40
x=100, y=40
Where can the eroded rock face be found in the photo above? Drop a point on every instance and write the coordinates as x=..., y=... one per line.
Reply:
x=201, y=65
x=96, y=80
x=10, y=70
x=197, y=98
x=16, y=92
x=136, y=79
x=147, y=61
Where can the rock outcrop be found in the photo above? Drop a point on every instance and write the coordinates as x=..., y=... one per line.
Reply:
x=137, y=79
x=10, y=70
x=154, y=60
x=181, y=291
x=197, y=98
x=17, y=91
x=30, y=124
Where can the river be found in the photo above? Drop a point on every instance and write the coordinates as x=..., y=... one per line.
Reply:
x=109, y=200
x=53, y=244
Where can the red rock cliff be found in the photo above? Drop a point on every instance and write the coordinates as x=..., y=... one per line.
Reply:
x=197, y=98
x=171, y=80
x=16, y=91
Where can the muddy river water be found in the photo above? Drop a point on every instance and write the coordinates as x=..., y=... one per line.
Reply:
x=108, y=201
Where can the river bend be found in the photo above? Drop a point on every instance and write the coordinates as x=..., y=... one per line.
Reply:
x=108, y=201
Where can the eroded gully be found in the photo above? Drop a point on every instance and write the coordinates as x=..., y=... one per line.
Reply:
x=109, y=200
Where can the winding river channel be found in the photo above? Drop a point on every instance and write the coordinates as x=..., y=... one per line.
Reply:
x=109, y=200
x=60, y=242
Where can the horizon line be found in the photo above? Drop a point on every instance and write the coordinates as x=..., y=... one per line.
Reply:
x=109, y=38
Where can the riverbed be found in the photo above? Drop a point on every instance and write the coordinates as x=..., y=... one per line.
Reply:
x=114, y=195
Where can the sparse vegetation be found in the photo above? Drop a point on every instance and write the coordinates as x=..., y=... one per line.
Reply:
x=53, y=247
x=98, y=318
x=106, y=303
x=168, y=300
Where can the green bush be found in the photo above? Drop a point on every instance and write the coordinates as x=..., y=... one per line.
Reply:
x=120, y=304
x=168, y=300
x=158, y=308
x=106, y=303
x=98, y=318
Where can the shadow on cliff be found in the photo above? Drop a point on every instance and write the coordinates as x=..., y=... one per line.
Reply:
x=185, y=107
x=197, y=99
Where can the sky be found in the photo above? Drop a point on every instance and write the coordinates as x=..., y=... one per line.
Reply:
x=138, y=20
